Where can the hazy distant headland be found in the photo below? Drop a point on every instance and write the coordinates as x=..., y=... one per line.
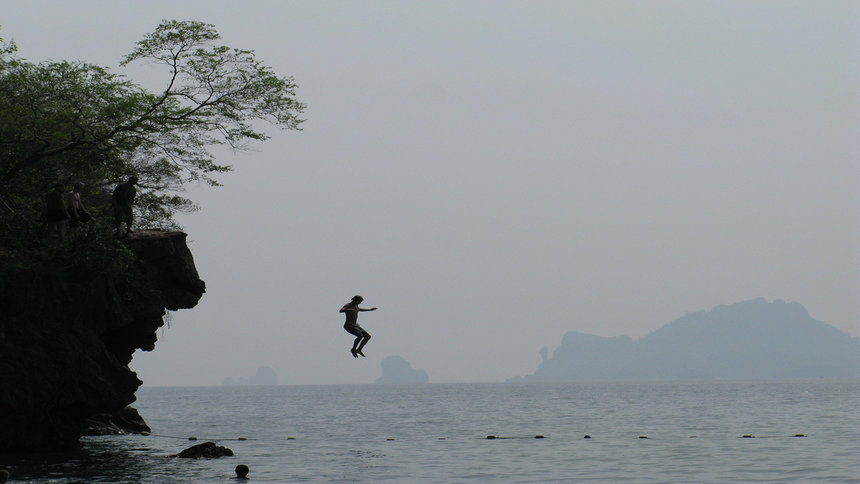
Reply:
x=395, y=369
x=264, y=376
x=753, y=339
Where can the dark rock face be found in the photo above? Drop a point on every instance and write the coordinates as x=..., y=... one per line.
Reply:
x=126, y=421
x=206, y=450
x=67, y=337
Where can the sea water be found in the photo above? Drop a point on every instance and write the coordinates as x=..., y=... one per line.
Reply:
x=785, y=431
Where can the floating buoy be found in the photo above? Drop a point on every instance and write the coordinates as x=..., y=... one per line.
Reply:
x=443, y=438
x=643, y=436
x=291, y=438
x=390, y=438
x=539, y=436
x=242, y=438
x=491, y=437
x=748, y=436
x=192, y=438
x=799, y=435
x=587, y=436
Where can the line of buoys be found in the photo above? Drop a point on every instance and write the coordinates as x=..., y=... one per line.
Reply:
x=493, y=437
x=488, y=437
x=193, y=438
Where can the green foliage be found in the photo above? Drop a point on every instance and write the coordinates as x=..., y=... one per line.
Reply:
x=69, y=122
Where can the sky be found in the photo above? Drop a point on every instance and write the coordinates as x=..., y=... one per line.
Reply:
x=492, y=174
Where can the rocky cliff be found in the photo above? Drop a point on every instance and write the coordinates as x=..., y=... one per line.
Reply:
x=68, y=333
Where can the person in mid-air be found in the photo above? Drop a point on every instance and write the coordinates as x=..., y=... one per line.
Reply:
x=351, y=326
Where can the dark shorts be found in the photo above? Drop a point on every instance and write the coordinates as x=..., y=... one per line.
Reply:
x=355, y=330
x=122, y=212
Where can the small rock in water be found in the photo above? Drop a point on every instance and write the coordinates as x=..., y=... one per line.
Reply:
x=206, y=449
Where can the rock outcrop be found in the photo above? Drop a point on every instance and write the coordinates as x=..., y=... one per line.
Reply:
x=67, y=336
x=206, y=450
x=749, y=340
x=395, y=369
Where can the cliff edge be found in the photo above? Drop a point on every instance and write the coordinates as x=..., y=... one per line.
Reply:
x=68, y=333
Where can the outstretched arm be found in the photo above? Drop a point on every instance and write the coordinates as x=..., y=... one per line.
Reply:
x=371, y=309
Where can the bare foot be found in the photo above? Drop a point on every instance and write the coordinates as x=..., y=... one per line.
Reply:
x=354, y=353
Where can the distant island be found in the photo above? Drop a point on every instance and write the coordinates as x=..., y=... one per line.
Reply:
x=749, y=340
x=395, y=369
x=264, y=376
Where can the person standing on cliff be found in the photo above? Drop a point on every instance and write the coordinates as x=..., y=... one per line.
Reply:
x=351, y=326
x=123, y=197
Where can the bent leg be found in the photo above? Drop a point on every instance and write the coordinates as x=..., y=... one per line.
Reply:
x=364, y=341
x=354, y=349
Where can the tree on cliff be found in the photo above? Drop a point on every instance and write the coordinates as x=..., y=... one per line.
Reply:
x=71, y=122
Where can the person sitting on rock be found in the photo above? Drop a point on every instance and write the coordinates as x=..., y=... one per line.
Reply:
x=75, y=207
x=56, y=215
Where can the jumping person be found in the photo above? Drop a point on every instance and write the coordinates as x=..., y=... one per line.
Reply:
x=351, y=326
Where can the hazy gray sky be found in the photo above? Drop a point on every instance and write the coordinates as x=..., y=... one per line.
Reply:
x=493, y=174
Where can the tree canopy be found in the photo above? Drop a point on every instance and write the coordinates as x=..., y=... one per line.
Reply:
x=72, y=122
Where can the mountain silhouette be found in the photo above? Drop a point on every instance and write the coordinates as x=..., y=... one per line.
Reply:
x=749, y=340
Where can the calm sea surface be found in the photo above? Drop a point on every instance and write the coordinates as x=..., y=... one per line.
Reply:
x=437, y=433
